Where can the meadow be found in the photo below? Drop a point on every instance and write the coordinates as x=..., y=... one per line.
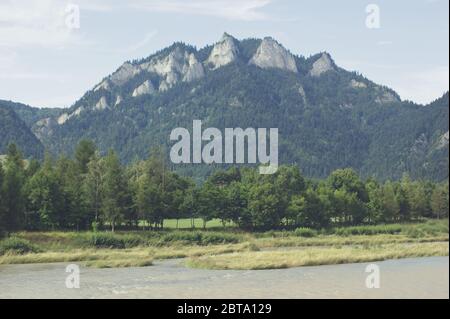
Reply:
x=219, y=247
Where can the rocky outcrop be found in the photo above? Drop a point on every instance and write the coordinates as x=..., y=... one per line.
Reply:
x=420, y=145
x=386, y=97
x=223, y=52
x=193, y=70
x=357, y=84
x=302, y=93
x=322, y=65
x=126, y=72
x=104, y=85
x=443, y=141
x=63, y=118
x=145, y=88
x=177, y=65
x=118, y=100
x=163, y=86
x=101, y=104
x=44, y=128
x=270, y=54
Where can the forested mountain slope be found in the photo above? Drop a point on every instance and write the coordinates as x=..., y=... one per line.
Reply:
x=327, y=117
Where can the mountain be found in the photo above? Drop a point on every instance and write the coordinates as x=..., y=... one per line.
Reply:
x=14, y=130
x=327, y=117
x=28, y=114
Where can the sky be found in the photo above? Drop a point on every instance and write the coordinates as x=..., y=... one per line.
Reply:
x=53, y=51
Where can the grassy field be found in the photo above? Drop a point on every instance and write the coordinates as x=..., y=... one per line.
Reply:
x=230, y=248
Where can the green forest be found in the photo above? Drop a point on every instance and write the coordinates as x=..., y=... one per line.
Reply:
x=90, y=191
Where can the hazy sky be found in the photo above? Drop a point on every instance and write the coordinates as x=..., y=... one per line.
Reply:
x=45, y=61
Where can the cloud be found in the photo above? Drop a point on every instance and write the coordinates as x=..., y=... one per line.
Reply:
x=41, y=23
x=245, y=10
x=44, y=22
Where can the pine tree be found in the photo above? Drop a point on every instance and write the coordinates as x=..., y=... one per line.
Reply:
x=45, y=196
x=93, y=185
x=2, y=210
x=14, y=201
x=440, y=201
x=83, y=154
x=114, y=191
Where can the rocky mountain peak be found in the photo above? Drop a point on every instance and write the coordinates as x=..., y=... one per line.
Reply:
x=322, y=65
x=224, y=52
x=178, y=65
x=270, y=54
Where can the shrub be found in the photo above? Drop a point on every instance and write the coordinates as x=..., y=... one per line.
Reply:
x=106, y=240
x=199, y=238
x=219, y=238
x=109, y=240
x=273, y=234
x=17, y=246
x=182, y=236
x=133, y=240
x=305, y=232
x=430, y=228
x=368, y=230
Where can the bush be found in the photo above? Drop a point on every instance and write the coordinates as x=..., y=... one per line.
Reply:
x=368, y=230
x=273, y=234
x=133, y=240
x=17, y=246
x=305, y=232
x=200, y=238
x=219, y=238
x=182, y=236
x=110, y=240
x=106, y=240
x=430, y=228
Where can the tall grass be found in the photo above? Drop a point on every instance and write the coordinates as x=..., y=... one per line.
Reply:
x=140, y=247
x=430, y=228
x=17, y=246
x=305, y=232
x=368, y=230
x=122, y=240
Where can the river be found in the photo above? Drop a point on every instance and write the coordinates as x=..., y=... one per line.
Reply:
x=404, y=278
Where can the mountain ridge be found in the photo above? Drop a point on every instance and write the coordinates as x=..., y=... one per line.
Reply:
x=328, y=117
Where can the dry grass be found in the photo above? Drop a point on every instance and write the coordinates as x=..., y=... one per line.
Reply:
x=318, y=256
x=120, y=263
x=133, y=257
x=105, y=255
x=333, y=240
x=225, y=250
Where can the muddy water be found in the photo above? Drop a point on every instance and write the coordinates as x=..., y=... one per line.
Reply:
x=405, y=278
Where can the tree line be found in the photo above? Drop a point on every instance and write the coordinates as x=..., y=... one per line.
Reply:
x=94, y=191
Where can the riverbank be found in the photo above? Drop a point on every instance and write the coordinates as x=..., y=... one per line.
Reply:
x=230, y=249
